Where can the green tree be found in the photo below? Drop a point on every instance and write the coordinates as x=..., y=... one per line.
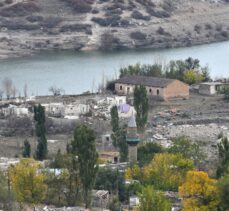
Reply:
x=114, y=119
x=27, y=182
x=112, y=180
x=223, y=186
x=64, y=188
x=147, y=152
x=205, y=74
x=152, y=200
x=130, y=70
x=26, y=149
x=141, y=106
x=223, y=148
x=39, y=117
x=183, y=145
x=6, y=194
x=83, y=146
x=115, y=204
x=225, y=92
x=167, y=171
x=119, y=140
x=154, y=70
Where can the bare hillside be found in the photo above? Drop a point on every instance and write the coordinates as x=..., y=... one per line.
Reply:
x=28, y=26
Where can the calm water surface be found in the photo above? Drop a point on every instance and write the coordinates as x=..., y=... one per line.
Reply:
x=77, y=72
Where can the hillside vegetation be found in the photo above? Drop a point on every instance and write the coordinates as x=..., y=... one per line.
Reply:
x=28, y=26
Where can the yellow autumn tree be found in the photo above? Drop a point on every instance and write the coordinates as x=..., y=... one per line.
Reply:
x=133, y=173
x=199, y=192
x=167, y=171
x=192, y=76
x=27, y=182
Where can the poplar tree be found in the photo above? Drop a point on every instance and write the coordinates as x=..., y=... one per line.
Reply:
x=119, y=134
x=39, y=117
x=83, y=146
x=141, y=106
x=27, y=149
x=114, y=119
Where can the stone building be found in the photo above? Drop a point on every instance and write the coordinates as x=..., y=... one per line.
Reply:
x=132, y=140
x=162, y=88
x=211, y=88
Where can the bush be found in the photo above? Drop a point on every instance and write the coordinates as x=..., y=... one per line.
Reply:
x=8, y=1
x=77, y=28
x=161, y=31
x=159, y=14
x=51, y=22
x=81, y=6
x=208, y=26
x=113, y=21
x=218, y=27
x=34, y=18
x=20, y=9
x=138, y=35
x=197, y=28
x=137, y=15
x=108, y=41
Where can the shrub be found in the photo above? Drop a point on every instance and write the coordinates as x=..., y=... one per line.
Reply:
x=77, y=28
x=8, y=1
x=51, y=22
x=81, y=6
x=208, y=26
x=138, y=35
x=218, y=27
x=197, y=28
x=34, y=18
x=137, y=15
x=158, y=14
x=108, y=41
x=20, y=9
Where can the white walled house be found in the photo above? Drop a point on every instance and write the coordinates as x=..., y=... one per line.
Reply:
x=76, y=109
x=211, y=88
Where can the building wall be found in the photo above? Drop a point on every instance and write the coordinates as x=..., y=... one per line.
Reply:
x=176, y=89
x=124, y=89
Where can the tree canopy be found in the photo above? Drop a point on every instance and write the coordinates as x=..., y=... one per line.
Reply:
x=39, y=117
x=167, y=171
x=83, y=146
x=152, y=200
x=141, y=106
x=199, y=192
x=27, y=182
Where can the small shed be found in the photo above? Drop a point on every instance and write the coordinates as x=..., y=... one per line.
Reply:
x=210, y=88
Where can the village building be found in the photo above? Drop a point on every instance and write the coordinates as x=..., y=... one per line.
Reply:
x=211, y=88
x=54, y=109
x=162, y=88
x=76, y=109
x=13, y=110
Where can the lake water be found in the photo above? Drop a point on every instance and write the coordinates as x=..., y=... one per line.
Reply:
x=77, y=72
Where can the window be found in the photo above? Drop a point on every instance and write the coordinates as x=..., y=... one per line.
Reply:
x=150, y=90
x=157, y=91
x=120, y=87
x=128, y=89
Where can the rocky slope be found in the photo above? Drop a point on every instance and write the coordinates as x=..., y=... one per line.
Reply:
x=29, y=26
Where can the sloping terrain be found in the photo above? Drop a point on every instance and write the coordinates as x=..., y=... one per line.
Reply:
x=28, y=26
